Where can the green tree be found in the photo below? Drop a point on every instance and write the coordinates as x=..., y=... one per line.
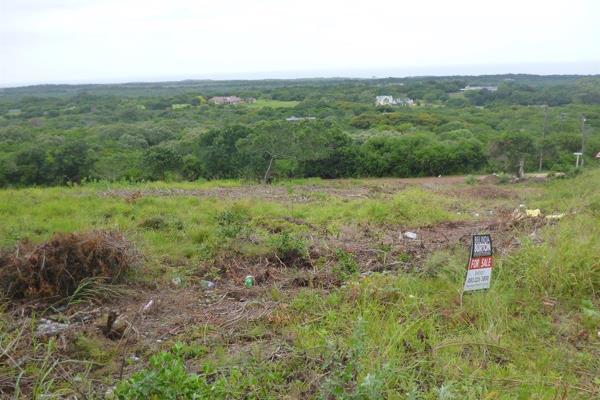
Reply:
x=71, y=161
x=513, y=149
x=159, y=160
x=219, y=154
x=273, y=141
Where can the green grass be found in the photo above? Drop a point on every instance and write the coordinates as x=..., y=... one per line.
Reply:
x=533, y=335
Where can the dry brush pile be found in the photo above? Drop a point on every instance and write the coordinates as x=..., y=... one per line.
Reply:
x=54, y=269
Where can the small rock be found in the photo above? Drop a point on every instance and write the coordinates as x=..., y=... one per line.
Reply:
x=47, y=328
x=410, y=235
x=120, y=327
x=113, y=325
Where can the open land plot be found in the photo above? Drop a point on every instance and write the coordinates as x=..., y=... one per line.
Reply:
x=343, y=304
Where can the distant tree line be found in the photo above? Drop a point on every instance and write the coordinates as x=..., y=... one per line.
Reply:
x=55, y=135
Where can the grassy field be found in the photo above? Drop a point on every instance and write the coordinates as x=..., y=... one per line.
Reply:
x=261, y=103
x=344, y=305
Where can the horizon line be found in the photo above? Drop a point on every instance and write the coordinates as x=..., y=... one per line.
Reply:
x=333, y=73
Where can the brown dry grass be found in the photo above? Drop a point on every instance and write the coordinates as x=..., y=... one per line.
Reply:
x=54, y=269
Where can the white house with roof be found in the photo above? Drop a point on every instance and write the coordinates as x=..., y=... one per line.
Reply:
x=384, y=100
x=391, y=101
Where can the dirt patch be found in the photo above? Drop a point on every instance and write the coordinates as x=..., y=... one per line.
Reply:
x=53, y=270
x=484, y=192
x=368, y=188
x=390, y=249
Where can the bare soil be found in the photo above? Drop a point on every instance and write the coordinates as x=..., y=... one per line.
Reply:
x=366, y=188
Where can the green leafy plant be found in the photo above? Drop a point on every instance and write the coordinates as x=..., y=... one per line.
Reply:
x=165, y=378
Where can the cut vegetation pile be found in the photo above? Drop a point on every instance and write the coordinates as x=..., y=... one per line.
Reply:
x=56, y=268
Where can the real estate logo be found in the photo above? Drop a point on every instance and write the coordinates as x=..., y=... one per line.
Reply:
x=479, y=272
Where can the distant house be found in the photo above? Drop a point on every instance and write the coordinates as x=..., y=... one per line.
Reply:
x=598, y=156
x=294, y=118
x=391, y=101
x=221, y=100
x=469, y=87
x=384, y=100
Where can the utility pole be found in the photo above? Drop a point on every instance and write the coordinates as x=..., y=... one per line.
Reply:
x=582, y=139
x=543, y=137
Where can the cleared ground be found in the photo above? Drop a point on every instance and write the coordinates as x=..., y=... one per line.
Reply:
x=344, y=304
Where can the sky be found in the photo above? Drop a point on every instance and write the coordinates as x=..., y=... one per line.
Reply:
x=85, y=41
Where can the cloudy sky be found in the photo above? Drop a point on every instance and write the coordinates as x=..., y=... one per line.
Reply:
x=49, y=41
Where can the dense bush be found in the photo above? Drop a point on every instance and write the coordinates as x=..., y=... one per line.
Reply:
x=65, y=134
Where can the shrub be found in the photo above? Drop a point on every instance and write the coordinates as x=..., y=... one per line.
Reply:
x=289, y=249
x=231, y=222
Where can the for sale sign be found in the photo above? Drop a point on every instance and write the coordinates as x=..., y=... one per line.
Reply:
x=479, y=272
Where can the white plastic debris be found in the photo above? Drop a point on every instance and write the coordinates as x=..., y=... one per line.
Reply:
x=533, y=213
x=148, y=306
x=410, y=235
x=47, y=328
x=555, y=216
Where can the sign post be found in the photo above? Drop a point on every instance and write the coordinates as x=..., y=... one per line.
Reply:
x=479, y=272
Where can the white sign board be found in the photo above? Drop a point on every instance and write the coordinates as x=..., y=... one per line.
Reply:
x=479, y=272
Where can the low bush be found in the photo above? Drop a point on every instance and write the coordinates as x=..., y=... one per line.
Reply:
x=290, y=249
